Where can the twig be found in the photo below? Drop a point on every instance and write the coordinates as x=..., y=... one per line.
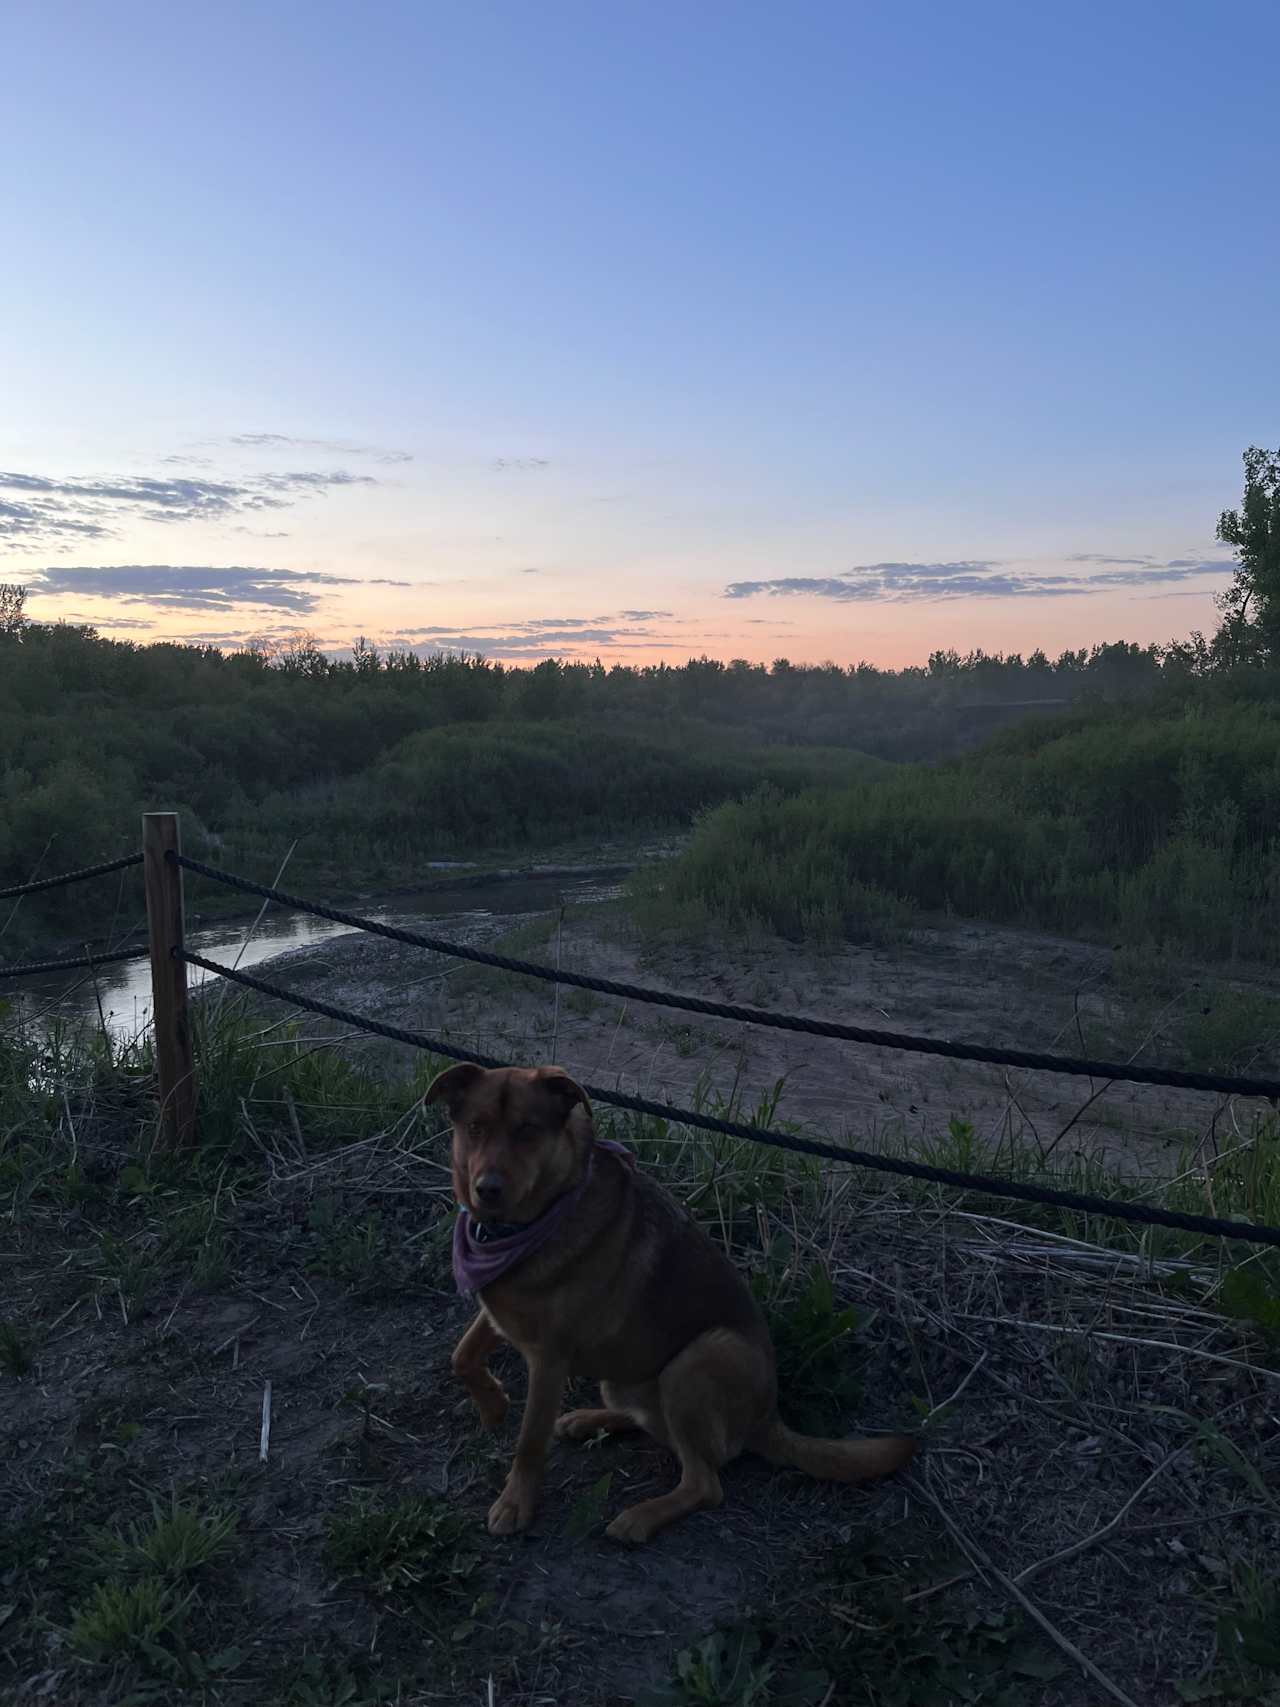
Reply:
x=936, y=1588
x=97, y=988
x=264, y=1439
x=232, y=1338
x=1098, y=1534
x=985, y=1565
x=973, y=1370
x=1125, y=1339
x=266, y=903
x=1088, y=1102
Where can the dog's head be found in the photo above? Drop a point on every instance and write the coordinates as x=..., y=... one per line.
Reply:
x=520, y=1137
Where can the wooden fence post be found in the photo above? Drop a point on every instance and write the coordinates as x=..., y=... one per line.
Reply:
x=175, y=1065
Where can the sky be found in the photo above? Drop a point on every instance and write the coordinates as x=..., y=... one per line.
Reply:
x=833, y=331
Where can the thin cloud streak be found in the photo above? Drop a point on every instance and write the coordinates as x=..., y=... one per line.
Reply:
x=49, y=511
x=898, y=583
x=340, y=447
x=198, y=587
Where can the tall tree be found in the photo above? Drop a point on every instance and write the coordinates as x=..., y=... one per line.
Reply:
x=13, y=599
x=1251, y=605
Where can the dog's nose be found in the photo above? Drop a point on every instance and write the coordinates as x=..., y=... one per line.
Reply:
x=488, y=1189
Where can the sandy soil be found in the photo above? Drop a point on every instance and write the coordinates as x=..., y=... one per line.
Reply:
x=983, y=984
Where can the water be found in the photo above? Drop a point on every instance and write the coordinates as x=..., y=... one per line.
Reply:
x=124, y=990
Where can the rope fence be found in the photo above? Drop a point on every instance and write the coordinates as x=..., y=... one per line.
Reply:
x=164, y=864
x=990, y=1185
x=66, y=877
x=29, y=968
x=1222, y=1084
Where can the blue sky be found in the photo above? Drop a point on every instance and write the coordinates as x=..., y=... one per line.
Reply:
x=839, y=330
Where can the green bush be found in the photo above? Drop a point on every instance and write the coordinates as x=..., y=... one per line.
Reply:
x=1160, y=828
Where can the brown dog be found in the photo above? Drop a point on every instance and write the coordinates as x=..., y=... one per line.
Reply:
x=589, y=1268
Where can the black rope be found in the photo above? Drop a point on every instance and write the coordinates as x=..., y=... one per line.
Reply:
x=28, y=969
x=1222, y=1084
x=72, y=876
x=1251, y=1231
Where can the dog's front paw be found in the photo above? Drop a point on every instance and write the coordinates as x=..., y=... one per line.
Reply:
x=514, y=1508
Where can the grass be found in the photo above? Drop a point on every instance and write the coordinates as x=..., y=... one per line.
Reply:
x=143, y=1610
x=128, y=1621
x=1063, y=1372
x=813, y=1337
x=172, y=1543
x=412, y=1547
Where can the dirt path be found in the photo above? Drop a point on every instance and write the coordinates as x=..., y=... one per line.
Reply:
x=980, y=983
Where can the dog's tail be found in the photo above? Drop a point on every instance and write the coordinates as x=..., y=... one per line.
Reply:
x=833, y=1460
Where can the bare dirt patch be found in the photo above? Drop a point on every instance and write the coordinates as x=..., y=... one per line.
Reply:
x=980, y=983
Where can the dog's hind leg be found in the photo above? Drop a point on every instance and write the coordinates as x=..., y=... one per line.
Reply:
x=711, y=1396
x=583, y=1425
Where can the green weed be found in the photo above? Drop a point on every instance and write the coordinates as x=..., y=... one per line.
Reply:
x=130, y=1621
x=726, y=1669
x=416, y=1545
x=17, y=1354
x=892, y=1653
x=1247, y=1665
x=588, y=1511
x=813, y=1339
x=172, y=1544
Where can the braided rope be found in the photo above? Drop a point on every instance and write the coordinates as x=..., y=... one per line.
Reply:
x=72, y=876
x=29, y=968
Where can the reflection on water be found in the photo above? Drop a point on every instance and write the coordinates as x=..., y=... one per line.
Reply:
x=125, y=990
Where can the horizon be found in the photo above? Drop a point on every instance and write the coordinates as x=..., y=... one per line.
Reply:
x=827, y=335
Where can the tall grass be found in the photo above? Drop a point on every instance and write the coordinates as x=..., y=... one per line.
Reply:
x=1158, y=830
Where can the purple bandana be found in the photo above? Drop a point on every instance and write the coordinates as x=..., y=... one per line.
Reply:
x=482, y=1254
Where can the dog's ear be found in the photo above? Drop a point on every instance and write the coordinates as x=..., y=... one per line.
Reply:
x=452, y=1085
x=567, y=1092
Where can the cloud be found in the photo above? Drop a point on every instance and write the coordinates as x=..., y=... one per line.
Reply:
x=48, y=512
x=111, y=622
x=538, y=637
x=197, y=587
x=23, y=525
x=342, y=447
x=1097, y=557
x=898, y=583
x=645, y=615
x=550, y=644
x=519, y=464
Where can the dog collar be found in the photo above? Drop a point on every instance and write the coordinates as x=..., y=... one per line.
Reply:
x=484, y=1251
